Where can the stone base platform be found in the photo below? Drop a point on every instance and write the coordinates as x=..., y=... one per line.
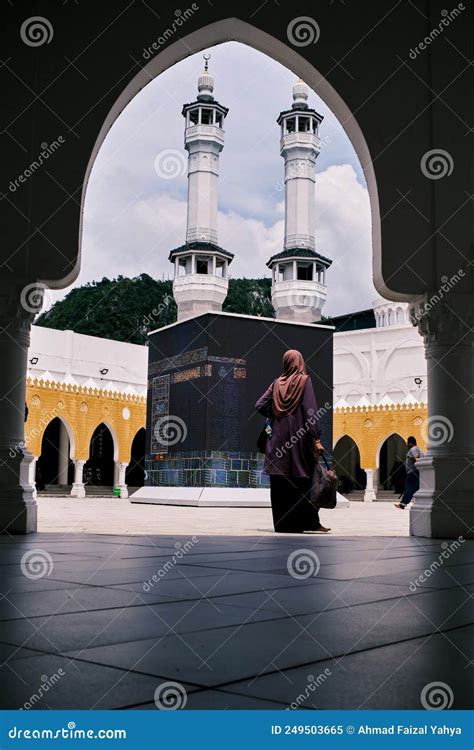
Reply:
x=220, y=497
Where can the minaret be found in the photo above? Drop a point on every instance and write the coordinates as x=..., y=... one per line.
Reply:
x=200, y=265
x=299, y=272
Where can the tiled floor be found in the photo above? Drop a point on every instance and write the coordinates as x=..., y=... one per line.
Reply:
x=237, y=620
x=112, y=516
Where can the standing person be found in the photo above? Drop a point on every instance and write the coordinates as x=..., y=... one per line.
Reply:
x=292, y=447
x=412, y=480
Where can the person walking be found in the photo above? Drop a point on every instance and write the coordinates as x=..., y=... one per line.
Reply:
x=412, y=480
x=292, y=446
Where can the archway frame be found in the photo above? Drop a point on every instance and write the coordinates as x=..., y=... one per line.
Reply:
x=364, y=451
x=395, y=346
x=113, y=433
x=354, y=389
x=236, y=30
x=381, y=443
x=360, y=359
x=355, y=444
x=380, y=482
x=343, y=435
x=70, y=431
x=140, y=430
x=393, y=384
x=137, y=432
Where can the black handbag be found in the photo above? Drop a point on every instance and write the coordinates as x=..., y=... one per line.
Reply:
x=324, y=486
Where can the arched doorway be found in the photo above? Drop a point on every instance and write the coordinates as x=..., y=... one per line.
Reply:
x=135, y=474
x=391, y=463
x=346, y=459
x=99, y=469
x=358, y=477
x=54, y=466
x=236, y=30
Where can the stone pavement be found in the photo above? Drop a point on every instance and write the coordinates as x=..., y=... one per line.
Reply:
x=196, y=609
x=115, y=516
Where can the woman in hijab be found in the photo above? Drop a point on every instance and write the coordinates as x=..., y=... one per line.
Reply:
x=290, y=454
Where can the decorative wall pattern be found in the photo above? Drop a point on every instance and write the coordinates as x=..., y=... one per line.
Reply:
x=82, y=410
x=370, y=426
x=160, y=398
x=178, y=360
x=207, y=468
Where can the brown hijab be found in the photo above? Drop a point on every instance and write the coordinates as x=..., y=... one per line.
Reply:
x=288, y=388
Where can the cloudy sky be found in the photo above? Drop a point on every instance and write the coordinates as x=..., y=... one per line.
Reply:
x=133, y=217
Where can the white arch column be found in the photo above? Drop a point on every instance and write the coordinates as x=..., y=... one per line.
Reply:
x=28, y=471
x=78, y=487
x=18, y=510
x=119, y=478
x=369, y=492
x=444, y=504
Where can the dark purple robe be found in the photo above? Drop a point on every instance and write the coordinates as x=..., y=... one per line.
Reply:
x=290, y=451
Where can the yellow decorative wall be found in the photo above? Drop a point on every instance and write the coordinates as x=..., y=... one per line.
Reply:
x=82, y=410
x=370, y=426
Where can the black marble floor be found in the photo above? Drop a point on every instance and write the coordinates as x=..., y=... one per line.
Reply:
x=311, y=622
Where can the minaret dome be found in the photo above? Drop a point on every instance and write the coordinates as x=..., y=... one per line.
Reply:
x=205, y=82
x=300, y=94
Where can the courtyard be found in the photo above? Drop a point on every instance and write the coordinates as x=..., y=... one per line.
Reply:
x=114, y=605
x=113, y=516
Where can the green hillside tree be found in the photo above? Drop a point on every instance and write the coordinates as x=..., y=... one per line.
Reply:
x=126, y=309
